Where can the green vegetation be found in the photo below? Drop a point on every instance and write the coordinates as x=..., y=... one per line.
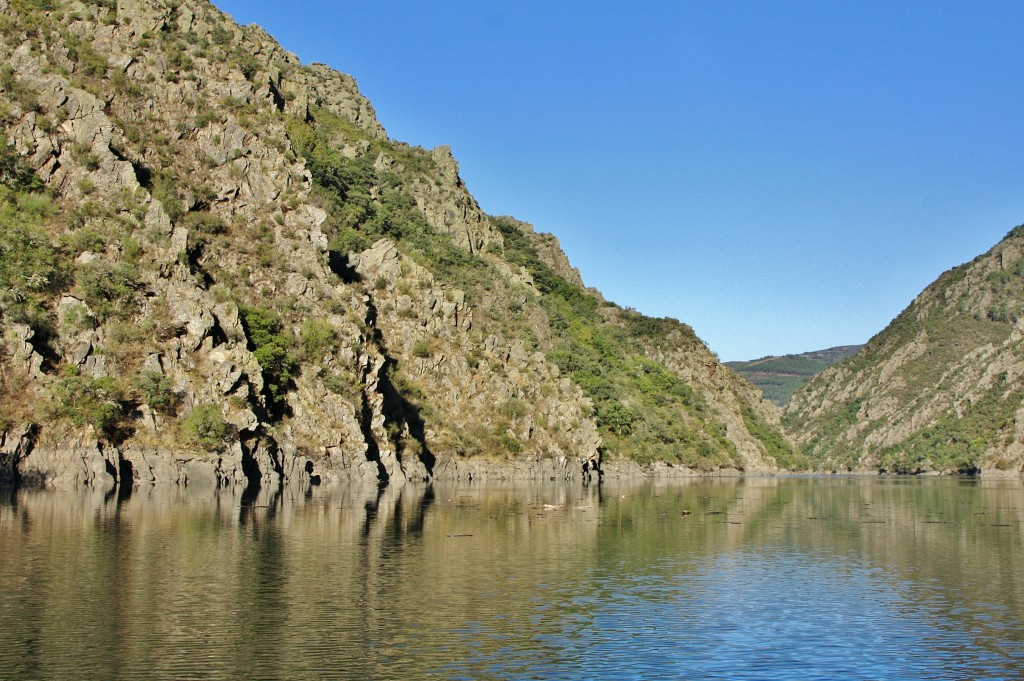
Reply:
x=205, y=428
x=344, y=386
x=272, y=349
x=930, y=354
x=32, y=268
x=109, y=289
x=98, y=402
x=774, y=443
x=780, y=377
x=15, y=175
x=364, y=204
x=316, y=339
x=154, y=389
x=825, y=447
x=957, y=443
x=204, y=224
x=644, y=411
x=78, y=266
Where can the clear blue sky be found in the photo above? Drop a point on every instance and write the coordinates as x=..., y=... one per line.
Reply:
x=782, y=176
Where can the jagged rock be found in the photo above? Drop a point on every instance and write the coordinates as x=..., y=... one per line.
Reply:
x=202, y=473
x=153, y=465
x=24, y=357
x=15, y=445
x=548, y=250
x=171, y=139
x=450, y=208
x=939, y=389
x=69, y=463
x=380, y=260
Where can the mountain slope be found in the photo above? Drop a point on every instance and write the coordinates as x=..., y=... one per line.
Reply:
x=940, y=389
x=219, y=269
x=779, y=377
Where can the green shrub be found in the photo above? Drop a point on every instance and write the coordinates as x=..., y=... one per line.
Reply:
x=205, y=428
x=164, y=189
x=221, y=35
x=340, y=385
x=35, y=205
x=20, y=92
x=91, y=63
x=83, y=239
x=131, y=249
x=272, y=349
x=31, y=269
x=204, y=223
x=78, y=318
x=617, y=417
x=514, y=408
x=109, y=289
x=28, y=263
x=774, y=443
x=347, y=240
x=82, y=400
x=509, y=444
x=316, y=337
x=15, y=173
x=29, y=5
x=205, y=117
x=155, y=390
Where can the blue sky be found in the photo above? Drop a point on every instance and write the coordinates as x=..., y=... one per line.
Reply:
x=782, y=176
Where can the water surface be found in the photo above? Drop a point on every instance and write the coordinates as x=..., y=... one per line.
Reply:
x=814, y=578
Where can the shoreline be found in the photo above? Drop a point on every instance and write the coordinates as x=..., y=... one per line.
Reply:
x=92, y=465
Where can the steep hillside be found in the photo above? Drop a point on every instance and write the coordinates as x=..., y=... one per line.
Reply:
x=940, y=389
x=217, y=268
x=779, y=377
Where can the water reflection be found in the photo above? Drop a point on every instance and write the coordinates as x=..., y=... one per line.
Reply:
x=750, y=578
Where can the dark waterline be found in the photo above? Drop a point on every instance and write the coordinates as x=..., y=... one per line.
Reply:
x=806, y=578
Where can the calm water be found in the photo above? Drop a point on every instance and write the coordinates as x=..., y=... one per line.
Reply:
x=740, y=579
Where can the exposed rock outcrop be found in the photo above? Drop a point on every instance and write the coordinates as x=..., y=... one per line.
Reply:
x=940, y=390
x=235, y=277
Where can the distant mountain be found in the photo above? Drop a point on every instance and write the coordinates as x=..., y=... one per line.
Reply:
x=939, y=390
x=780, y=377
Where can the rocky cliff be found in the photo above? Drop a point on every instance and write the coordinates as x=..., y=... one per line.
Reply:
x=939, y=390
x=217, y=268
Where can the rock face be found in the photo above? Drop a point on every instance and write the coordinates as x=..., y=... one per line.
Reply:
x=217, y=269
x=939, y=390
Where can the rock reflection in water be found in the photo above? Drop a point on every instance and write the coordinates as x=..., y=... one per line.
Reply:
x=743, y=578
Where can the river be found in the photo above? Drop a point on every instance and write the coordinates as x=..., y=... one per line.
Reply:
x=748, y=578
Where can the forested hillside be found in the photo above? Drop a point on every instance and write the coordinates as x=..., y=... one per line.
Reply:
x=780, y=377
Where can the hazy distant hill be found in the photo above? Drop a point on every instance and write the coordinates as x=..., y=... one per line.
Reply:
x=780, y=377
x=939, y=390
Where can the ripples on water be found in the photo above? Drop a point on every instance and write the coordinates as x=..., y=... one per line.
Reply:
x=739, y=579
